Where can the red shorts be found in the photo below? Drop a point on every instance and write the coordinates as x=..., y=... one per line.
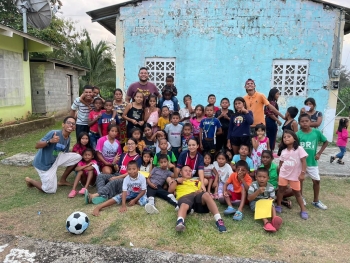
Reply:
x=235, y=196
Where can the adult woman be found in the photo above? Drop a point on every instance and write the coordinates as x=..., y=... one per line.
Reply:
x=119, y=106
x=194, y=160
x=310, y=108
x=271, y=118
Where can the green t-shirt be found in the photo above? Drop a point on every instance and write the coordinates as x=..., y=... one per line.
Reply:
x=273, y=174
x=309, y=142
x=171, y=158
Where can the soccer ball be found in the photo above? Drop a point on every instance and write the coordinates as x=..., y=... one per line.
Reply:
x=77, y=223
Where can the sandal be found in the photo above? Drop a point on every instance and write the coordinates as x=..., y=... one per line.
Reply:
x=86, y=197
x=332, y=159
x=238, y=216
x=98, y=200
x=269, y=227
x=277, y=222
x=304, y=215
x=340, y=162
x=287, y=203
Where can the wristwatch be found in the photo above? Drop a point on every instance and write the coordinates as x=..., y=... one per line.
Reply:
x=48, y=142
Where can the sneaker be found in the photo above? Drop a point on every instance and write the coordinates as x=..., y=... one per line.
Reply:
x=320, y=205
x=229, y=211
x=276, y=222
x=151, y=209
x=238, y=216
x=72, y=194
x=220, y=225
x=278, y=209
x=268, y=227
x=304, y=200
x=177, y=208
x=180, y=225
x=82, y=191
x=192, y=211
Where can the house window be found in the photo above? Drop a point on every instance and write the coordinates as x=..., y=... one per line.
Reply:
x=11, y=79
x=290, y=77
x=159, y=69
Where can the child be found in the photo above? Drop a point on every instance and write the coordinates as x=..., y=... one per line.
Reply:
x=136, y=134
x=342, y=140
x=97, y=94
x=106, y=119
x=262, y=189
x=189, y=196
x=223, y=172
x=167, y=101
x=152, y=113
x=292, y=169
x=119, y=106
x=260, y=143
x=155, y=182
x=164, y=119
x=186, y=135
x=239, y=128
x=148, y=138
x=158, y=136
x=134, y=191
x=291, y=123
x=108, y=150
x=229, y=156
x=85, y=170
x=267, y=162
x=174, y=131
x=163, y=145
x=83, y=142
x=169, y=86
x=309, y=138
x=209, y=127
x=210, y=174
x=271, y=118
x=94, y=117
x=147, y=159
x=133, y=113
x=235, y=190
x=243, y=155
x=188, y=112
x=211, y=101
x=196, y=121
x=223, y=115
x=315, y=116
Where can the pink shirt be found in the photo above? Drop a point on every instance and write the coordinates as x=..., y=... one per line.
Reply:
x=291, y=167
x=195, y=126
x=77, y=148
x=342, y=137
x=107, y=149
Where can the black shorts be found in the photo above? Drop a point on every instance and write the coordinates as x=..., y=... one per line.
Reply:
x=194, y=201
x=209, y=146
x=237, y=141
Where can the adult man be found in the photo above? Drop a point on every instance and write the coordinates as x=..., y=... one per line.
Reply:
x=54, y=152
x=255, y=102
x=147, y=88
x=83, y=110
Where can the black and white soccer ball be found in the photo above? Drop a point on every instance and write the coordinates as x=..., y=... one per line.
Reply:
x=77, y=223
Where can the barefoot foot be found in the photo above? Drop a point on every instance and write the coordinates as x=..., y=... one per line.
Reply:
x=64, y=183
x=28, y=182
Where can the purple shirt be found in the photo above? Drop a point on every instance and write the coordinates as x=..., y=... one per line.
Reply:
x=146, y=90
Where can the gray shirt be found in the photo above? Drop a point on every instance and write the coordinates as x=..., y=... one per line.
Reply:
x=83, y=111
x=158, y=176
x=46, y=156
x=268, y=193
x=174, y=134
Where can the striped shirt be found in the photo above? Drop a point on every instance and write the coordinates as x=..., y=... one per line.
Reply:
x=83, y=111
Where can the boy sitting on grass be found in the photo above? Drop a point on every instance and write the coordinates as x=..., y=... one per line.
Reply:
x=190, y=196
x=262, y=189
x=243, y=155
x=155, y=183
x=134, y=190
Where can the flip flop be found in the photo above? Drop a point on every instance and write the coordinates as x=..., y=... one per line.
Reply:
x=98, y=200
x=304, y=215
x=332, y=159
x=340, y=162
x=86, y=197
x=277, y=222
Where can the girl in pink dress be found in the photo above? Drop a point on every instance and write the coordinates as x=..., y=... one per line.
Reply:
x=260, y=143
x=195, y=121
x=152, y=113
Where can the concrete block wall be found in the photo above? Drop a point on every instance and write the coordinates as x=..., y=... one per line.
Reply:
x=37, y=80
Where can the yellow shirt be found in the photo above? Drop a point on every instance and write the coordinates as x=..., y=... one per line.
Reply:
x=187, y=187
x=162, y=122
x=256, y=104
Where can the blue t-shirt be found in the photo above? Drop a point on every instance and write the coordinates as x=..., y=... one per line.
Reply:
x=249, y=161
x=105, y=120
x=240, y=125
x=209, y=127
x=46, y=156
x=196, y=163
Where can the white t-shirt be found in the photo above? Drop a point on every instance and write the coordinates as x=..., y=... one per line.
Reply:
x=224, y=171
x=184, y=113
x=134, y=185
x=169, y=104
x=174, y=134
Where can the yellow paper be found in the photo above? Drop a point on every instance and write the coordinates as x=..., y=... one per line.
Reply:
x=263, y=209
x=145, y=174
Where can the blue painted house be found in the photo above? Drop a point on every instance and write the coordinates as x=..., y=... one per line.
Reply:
x=214, y=46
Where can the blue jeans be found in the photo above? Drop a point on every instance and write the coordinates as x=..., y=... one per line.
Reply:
x=93, y=139
x=131, y=195
x=173, y=99
x=342, y=152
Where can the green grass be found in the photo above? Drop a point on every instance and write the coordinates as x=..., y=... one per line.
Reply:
x=322, y=238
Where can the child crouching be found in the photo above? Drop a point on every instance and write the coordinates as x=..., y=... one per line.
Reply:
x=190, y=196
x=262, y=189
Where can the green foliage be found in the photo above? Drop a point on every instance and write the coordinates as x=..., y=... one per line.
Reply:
x=344, y=80
x=344, y=94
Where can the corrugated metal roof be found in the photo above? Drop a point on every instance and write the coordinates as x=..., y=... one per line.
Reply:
x=60, y=63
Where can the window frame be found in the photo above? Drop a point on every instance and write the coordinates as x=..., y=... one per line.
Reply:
x=152, y=65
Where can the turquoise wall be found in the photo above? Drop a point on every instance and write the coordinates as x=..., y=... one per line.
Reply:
x=220, y=44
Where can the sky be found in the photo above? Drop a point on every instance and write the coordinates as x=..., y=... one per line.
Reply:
x=76, y=10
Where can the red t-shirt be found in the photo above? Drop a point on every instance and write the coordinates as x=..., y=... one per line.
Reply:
x=124, y=160
x=92, y=115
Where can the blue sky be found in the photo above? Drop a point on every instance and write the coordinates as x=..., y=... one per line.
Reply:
x=76, y=10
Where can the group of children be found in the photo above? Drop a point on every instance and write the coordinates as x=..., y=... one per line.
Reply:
x=133, y=141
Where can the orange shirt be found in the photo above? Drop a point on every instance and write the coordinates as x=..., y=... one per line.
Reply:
x=233, y=179
x=256, y=104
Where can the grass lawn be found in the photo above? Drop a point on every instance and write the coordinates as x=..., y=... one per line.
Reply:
x=322, y=238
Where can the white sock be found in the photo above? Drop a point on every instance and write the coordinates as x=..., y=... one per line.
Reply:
x=172, y=197
x=217, y=217
x=180, y=218
x=151, y=200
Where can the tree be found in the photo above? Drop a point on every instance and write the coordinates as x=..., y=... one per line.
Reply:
x=344, y=92
x=344, y=79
